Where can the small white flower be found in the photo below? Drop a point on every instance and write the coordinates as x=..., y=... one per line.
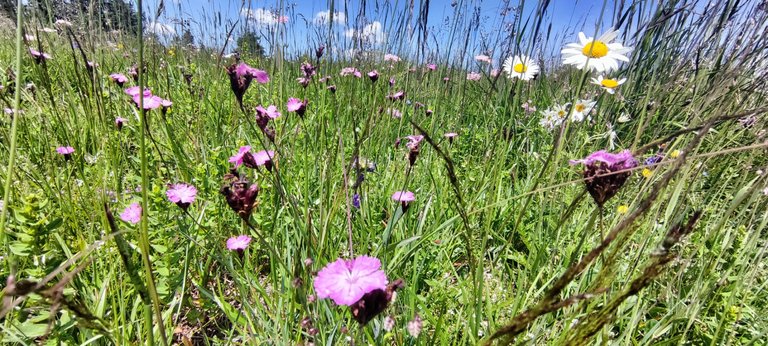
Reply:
x=608, y=84
x=598, y=54
x=624, y=117
x=581, y=110
x=62, y=22
x=520, y=66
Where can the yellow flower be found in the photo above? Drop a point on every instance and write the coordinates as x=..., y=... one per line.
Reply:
x=120, y=46
x=674, y=154
x=647, y=173
x=171, y=52
x=622, y=209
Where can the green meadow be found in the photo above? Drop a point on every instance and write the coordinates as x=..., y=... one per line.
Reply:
x=531, y=185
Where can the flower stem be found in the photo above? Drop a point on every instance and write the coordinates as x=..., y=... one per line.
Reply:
x=144, y=234
x=12, y=155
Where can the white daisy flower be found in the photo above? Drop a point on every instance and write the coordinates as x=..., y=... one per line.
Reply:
x=597, y=54
x=608, y=84
x=553, y=117
x=624, y=117
x=521, y=66
x=581, y=110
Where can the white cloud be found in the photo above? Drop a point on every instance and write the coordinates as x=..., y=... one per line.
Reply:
x=371, y=33
x=260, y=16
x=160, y=29
x=324, y=17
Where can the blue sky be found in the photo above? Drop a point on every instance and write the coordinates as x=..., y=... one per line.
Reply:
x=380, y=26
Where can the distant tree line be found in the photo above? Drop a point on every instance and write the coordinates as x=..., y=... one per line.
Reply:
x=107, y=15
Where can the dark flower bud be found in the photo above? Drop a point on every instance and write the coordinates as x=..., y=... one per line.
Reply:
x=374, y=302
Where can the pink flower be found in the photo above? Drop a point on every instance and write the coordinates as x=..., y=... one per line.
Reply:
x=237, y=159
x=65, y=150
x=264, y=158
x=451, y=135
x=474, y=76
x=282, y=19
x=494, y=72
x=403, y=196
x=394, y=113
x=391, y=57
x=373, y=75
x=347, y=281
x=131, y=214
x=238, y=243
x=242, y=70
x=396, y=96
x=414, y=141
x=39, y=56
x=350, y=71
x=182, y=194
x=296, y=105
x=120, y=122
x=118, y=78
x=432, y=67
x=135, y=90
x=623, y=159
x=270, y=111
x=483, y=58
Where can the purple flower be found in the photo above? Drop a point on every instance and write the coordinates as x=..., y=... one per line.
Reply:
x=414, y=142
x=331, y=88
x=396, y=96
x=297, y=105
x=451, y=136
x=356, y=200
x=182, y=194
x=391, y=81
x=350, y=71
x=308, y=70
x=240, y=77
x=270, y=112
x=131, y=214
x=238, y=243
x=237, y=159
x=605, y=173
x=118, y=78
x=373, y=75
x=347, y=281
x=241, y=196
x=319, y=52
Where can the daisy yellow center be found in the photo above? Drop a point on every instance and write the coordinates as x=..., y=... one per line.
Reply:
x=579, y=107
x=595, y=49
x=520, y=68
x=609, y=83
x=561, y=114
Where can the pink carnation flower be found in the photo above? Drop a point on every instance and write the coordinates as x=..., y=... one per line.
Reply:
x=270, y=111
x=65, y=150
x=350, y=71
x=346, y=281
x=131, y=214
x=238, y=243
x=237, y=159
x=403, y=196
x=182, y=194
x=391, y=57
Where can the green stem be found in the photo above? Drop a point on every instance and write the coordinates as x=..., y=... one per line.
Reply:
x=12, y=155
x=144, y=235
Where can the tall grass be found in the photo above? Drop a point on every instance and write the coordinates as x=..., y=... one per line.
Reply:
x=502, y=245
